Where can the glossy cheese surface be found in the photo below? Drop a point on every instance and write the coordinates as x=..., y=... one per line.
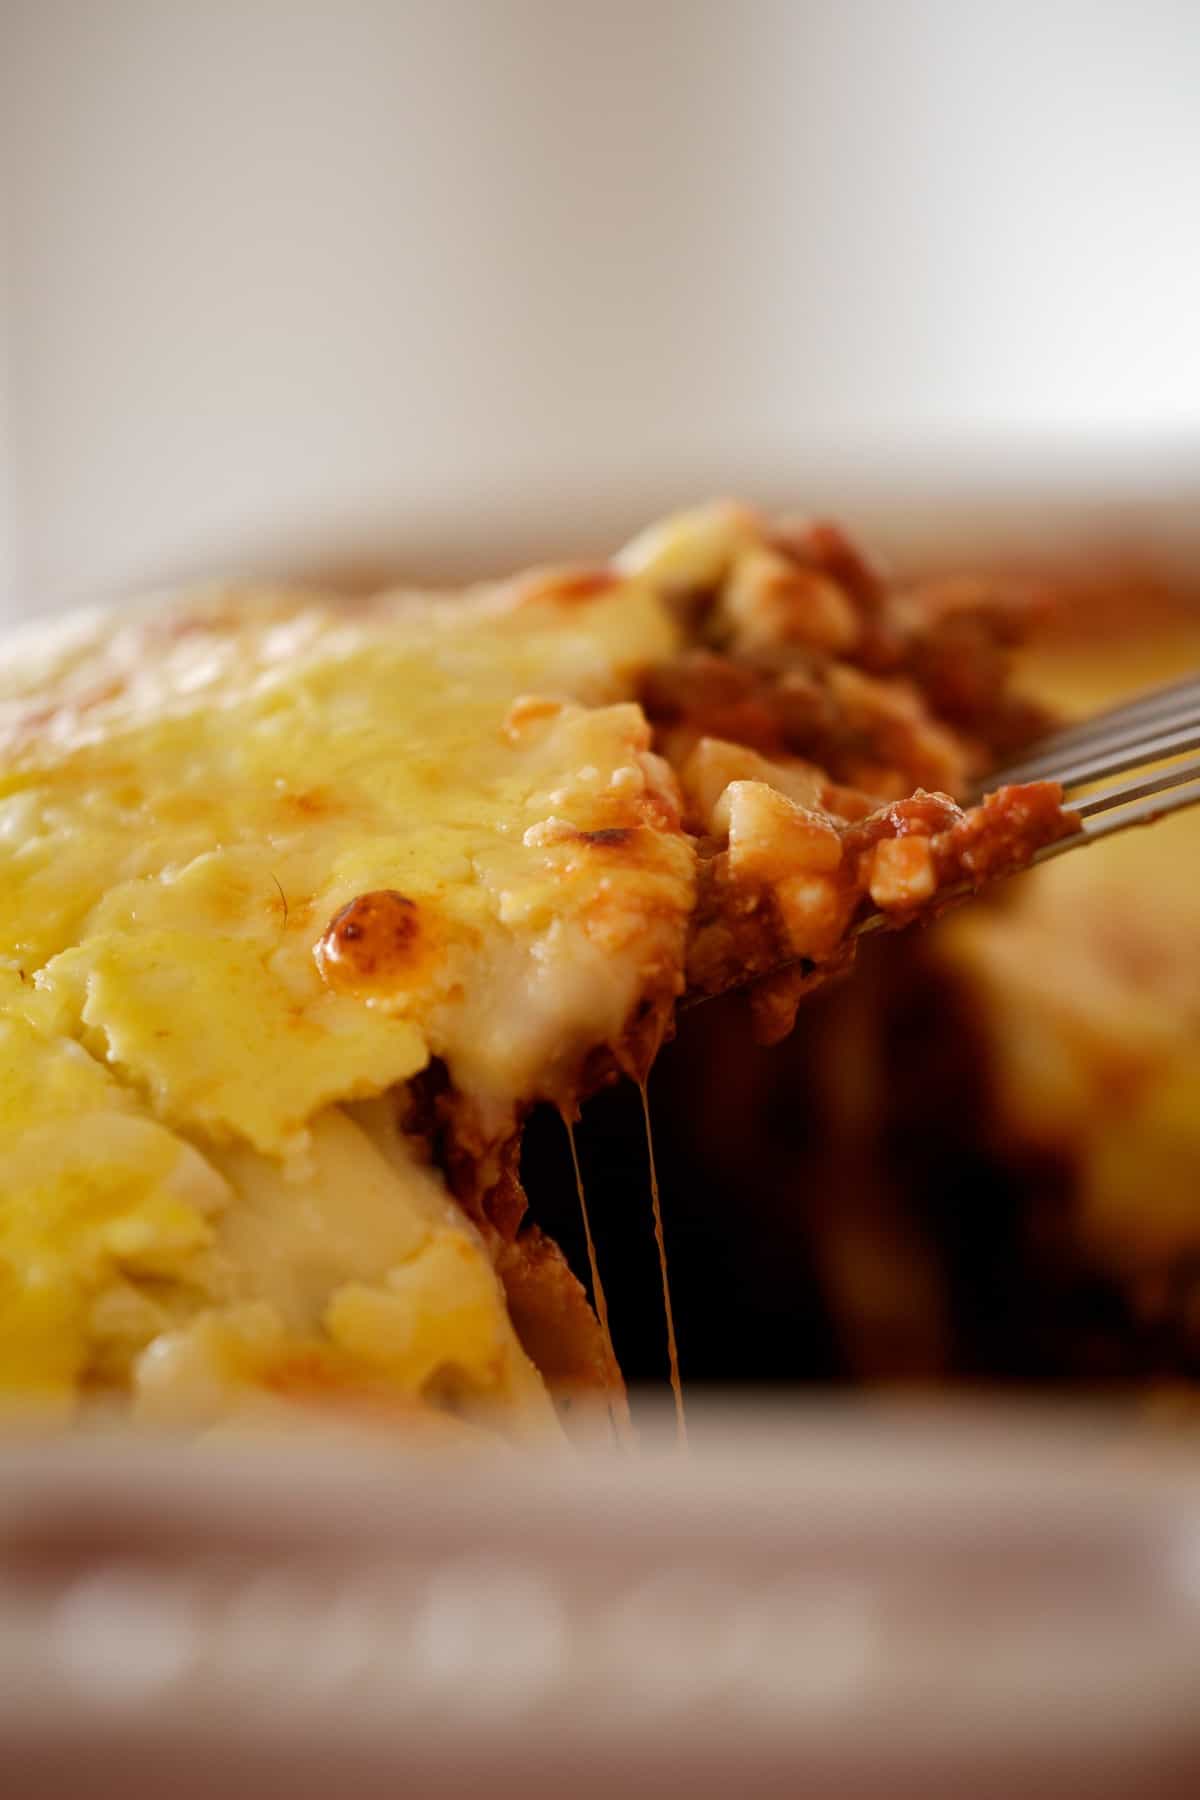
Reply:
x=262, y=857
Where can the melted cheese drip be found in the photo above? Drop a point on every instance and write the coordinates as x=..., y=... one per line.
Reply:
x=618, y=1403
x=660, y=1241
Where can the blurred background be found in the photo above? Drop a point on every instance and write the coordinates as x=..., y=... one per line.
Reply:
x=440, y=283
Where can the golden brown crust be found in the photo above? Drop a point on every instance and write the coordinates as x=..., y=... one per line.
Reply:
x=371, y=941
x=553, y=1318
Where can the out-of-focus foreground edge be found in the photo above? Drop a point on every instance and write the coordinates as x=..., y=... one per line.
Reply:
x=868, y=1600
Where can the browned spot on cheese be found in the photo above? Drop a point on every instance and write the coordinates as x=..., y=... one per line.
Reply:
x=371, y=942
x=31, y=725
x=586, y=584
x=612, y=837
x=527, y=711
x=571, y=587
x=312, y=803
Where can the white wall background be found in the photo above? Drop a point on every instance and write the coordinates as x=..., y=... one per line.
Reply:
x=358, y=276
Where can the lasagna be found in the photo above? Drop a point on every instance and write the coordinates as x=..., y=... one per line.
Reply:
x=308, y=900
x=978, y=1161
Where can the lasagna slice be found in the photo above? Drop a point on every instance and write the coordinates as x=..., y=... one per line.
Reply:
x=979, y=1160
x=306, y=901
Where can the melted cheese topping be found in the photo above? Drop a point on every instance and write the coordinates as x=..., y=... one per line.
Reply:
x=261, y=857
